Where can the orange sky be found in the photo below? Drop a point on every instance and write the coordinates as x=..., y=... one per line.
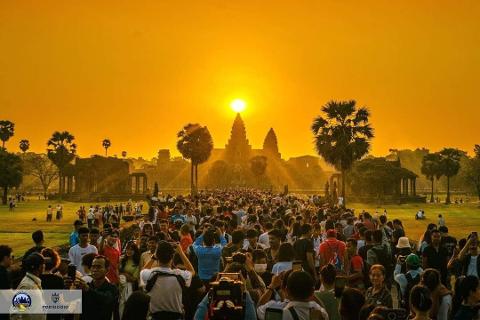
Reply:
x=136, y=71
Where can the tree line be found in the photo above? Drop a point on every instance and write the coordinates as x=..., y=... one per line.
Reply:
x=60, y=152
x=342, y=136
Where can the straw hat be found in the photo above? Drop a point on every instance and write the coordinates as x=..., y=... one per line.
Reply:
x=403, y=242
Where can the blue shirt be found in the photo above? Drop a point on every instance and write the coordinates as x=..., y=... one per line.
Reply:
x=250, y=314
x=208, y=257
x=401, y=279
x=74, y=238
x=279, y=267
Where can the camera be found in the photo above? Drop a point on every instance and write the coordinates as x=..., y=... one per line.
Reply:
x=226, y=298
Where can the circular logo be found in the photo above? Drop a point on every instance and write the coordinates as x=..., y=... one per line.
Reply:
x=21, y=301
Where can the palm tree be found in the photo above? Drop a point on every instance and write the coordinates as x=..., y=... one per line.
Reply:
x=24, y=145
x=431, y=169
x=342, y=135
x=194, y=143
x=61, y=151
x=106, y=143
x=7, y=128
x=124, y=154
x=450, y=165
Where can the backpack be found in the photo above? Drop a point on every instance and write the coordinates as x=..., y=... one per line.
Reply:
x=385, y=260
x=156, y=274
x=335, y=260
x=411, y=282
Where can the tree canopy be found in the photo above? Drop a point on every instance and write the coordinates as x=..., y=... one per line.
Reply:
x=61, y=150
x=342, y=134
x=11, y=172
x=7, y=129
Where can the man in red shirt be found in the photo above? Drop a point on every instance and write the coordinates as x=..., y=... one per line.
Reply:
x=354, y=269
x=332, y=251
x=107, y=248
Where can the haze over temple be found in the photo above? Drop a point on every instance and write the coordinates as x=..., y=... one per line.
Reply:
x=240, y=165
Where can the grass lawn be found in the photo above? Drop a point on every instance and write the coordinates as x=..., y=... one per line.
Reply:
x=21, y=242
x=461, y=219
x=16, y=227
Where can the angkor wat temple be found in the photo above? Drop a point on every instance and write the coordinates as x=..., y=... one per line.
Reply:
x=240, y=165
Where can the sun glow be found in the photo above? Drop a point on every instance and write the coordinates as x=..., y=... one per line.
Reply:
x=238, y=105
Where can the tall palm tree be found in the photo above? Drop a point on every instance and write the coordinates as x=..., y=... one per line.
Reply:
x=342, y=135
x=450, y=165
x=194, y=143
x=24, y=145
x=61, y=151
x=431, y=169
x=124, y=154
x=7, y=129
x=106, y=143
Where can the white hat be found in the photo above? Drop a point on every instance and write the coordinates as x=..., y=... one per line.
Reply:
x=403, y=242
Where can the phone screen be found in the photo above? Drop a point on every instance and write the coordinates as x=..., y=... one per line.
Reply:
x=273, y=314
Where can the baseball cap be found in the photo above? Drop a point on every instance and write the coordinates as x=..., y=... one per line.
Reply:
x=413, y=260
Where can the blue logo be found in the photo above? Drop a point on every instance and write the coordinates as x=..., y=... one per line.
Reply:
x=22, y=301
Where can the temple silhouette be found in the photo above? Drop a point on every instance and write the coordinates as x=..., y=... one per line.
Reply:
x=240, y=165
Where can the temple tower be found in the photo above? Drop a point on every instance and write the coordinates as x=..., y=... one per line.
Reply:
x=238, y=150
x=270, y=144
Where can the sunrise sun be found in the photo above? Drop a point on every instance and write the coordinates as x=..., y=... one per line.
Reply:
x=238, y=105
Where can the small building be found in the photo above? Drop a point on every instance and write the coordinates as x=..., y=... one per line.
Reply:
x=105, y=177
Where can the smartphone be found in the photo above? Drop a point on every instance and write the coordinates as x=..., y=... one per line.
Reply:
x=72, y=271
x=232, y=276
x=474, y=235
x=273, y=314
x=297, y=265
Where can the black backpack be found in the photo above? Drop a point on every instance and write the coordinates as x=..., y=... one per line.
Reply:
x=411, y=282
x=385, y=260
x=156, y=274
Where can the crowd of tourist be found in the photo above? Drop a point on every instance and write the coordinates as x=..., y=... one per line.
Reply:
x=247, y=254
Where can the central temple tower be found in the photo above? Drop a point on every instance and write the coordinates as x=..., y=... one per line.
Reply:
x=238, y=150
